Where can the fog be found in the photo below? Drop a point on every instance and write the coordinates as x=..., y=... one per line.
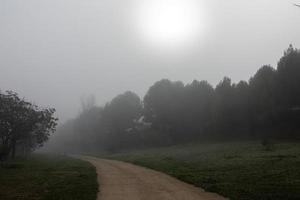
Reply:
x=55, y=52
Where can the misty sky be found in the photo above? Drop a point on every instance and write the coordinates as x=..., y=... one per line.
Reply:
x=55, y=52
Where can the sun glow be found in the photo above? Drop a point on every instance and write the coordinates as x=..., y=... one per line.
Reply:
x=171, y=22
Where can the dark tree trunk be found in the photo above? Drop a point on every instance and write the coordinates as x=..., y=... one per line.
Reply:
x=13, y=149
x=4, y=149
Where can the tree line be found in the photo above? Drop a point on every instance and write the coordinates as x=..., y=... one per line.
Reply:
x=266, y=106
x=23, y=125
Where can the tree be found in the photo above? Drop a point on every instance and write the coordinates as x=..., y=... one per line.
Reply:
x=199, y=96
x=289, y=78
x=23, y=124
x=242, y=111
x=163, y=107
x=263, y=87
x=119, y=116
x=224, y=107
x=288, y=93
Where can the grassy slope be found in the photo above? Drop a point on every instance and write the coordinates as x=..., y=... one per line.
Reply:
x=47, y=177
x=240, y=171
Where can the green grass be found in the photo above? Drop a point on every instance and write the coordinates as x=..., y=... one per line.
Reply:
x=47, y=177
x=240, y=170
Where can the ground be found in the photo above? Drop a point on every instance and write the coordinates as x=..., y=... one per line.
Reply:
x=238, y=170
x=47, y=177
x=124, y=181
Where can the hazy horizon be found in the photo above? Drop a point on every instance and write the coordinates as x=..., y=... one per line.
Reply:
x=56, y=52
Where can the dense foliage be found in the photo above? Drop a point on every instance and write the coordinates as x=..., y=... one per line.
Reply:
x=23, y=125
x=268, y=105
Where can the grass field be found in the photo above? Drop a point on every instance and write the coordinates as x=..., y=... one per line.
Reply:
x=46, y=177
x=240, y=170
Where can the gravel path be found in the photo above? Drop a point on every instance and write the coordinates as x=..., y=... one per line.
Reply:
x=123, y=181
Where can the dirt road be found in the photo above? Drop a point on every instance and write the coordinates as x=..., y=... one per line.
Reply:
x=124, y=181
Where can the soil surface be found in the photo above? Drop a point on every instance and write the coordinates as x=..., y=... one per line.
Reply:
x=124, y=181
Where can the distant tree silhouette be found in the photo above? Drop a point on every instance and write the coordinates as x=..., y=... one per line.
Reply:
x=163, y=107
x=224, y=106
x=242, y=111
x=266, y=106
x=119, y=116
x=289, y=78
x=198, y=110
x=263, y=97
